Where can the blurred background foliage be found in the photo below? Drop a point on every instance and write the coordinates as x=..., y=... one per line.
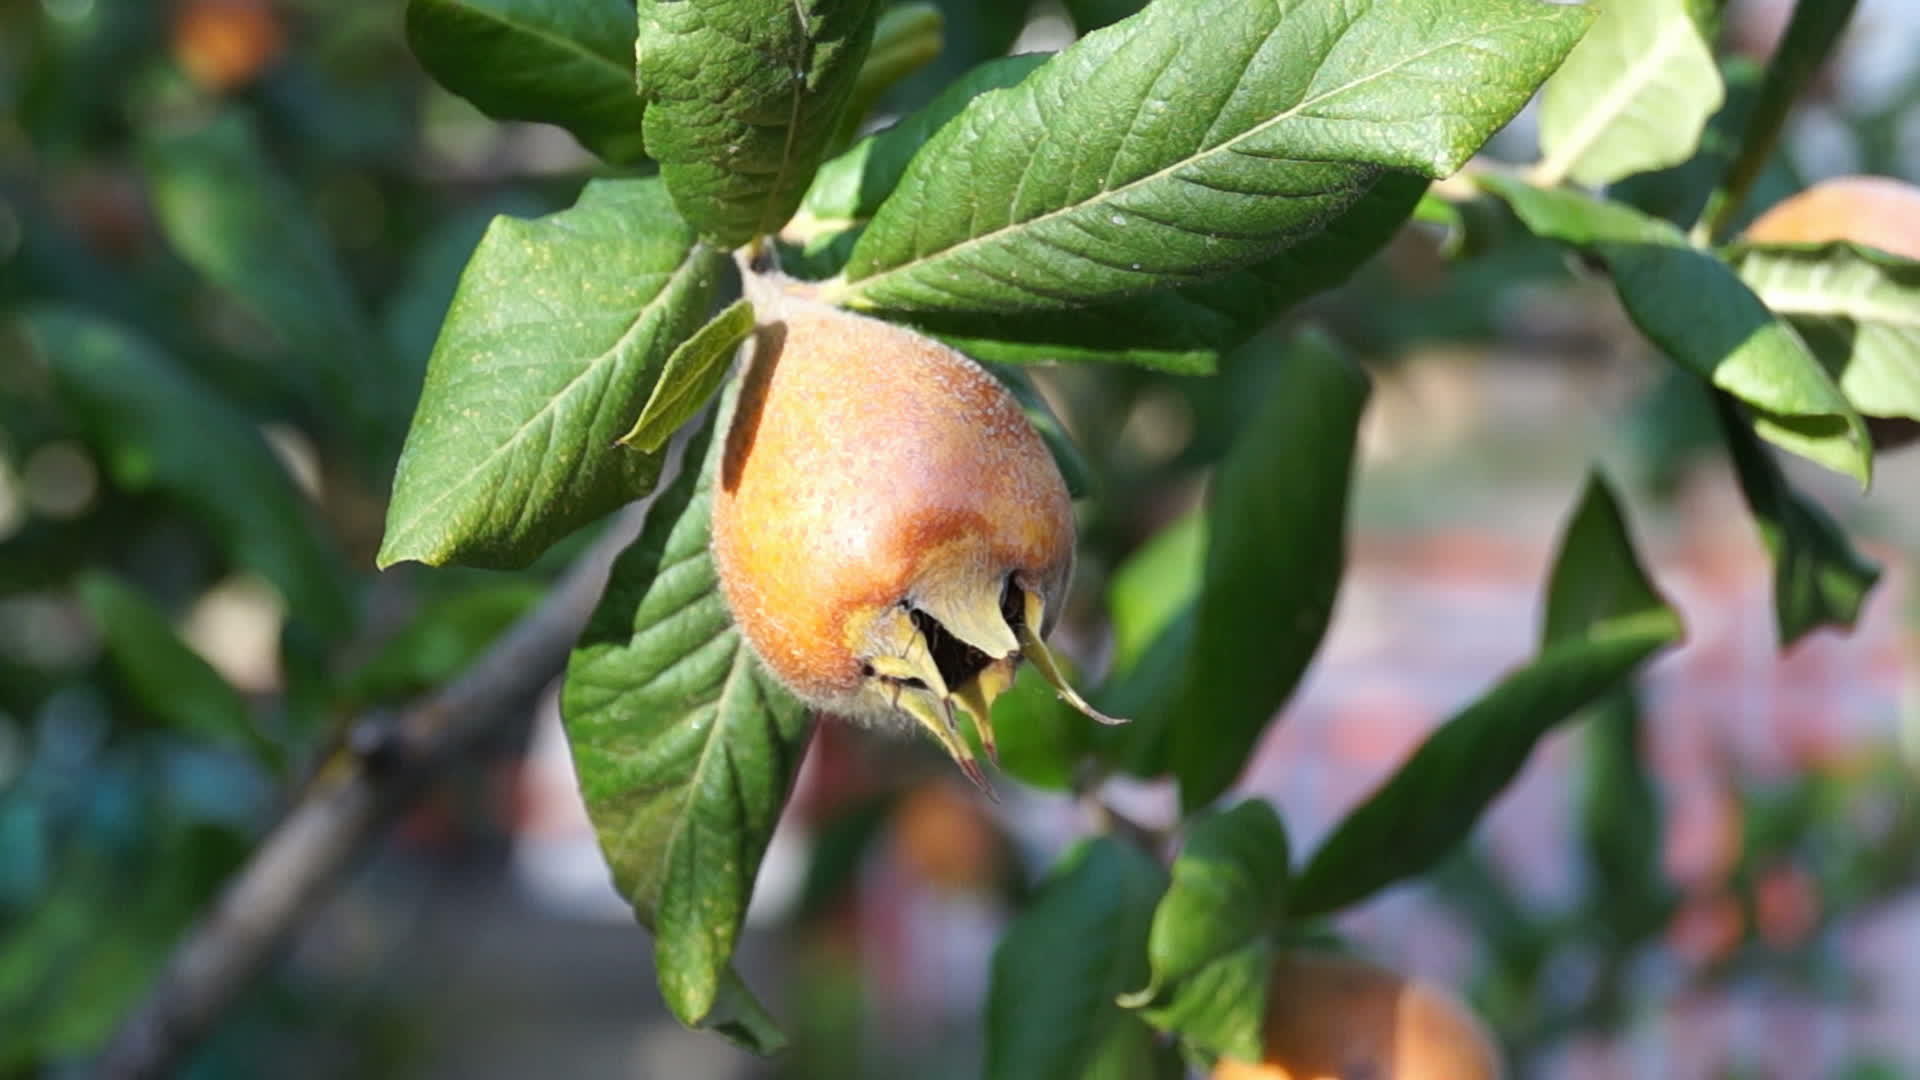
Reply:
x=228, y=232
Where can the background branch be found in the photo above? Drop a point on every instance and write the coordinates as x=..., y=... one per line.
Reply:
x=346, y=807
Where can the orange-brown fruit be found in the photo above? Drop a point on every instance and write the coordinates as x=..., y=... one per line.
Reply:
x=892, y=535
x=1877, y=211
x=225, y=44
x=1331, y=1017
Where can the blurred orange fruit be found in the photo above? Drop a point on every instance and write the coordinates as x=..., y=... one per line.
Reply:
x=225, y=44
x=1331, y=1017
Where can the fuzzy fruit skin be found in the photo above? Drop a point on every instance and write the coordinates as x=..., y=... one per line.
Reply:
x=1331, y=1017
x=867, y=467
x=1874, y=210
x=1877, y=211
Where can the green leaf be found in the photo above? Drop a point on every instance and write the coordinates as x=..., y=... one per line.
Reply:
x=157, y=429
x=1154, y=585
x=1221, y=1009
x=906, y=38
x=850, y=187
x=1633, y=96
x=551, y=348
x=744, y=97
x=563, y=62
x=693, y=375
x=685, y=746
x=1818, y=578
x=1604, y=620
x=1084, y=183
x=1066, y=453
x=1041, y=738
x=1698, y=312
x=1275, y=552
x=1857, y=308
x=1620, y=820
x=234, y=217
x=1190, y=330
x=1051, y=1009
x=1228, y=888
x=173, y=685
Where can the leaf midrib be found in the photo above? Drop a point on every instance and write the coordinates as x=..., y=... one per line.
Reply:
x=1595, y=122
x=563, y=44
x=592, y=367
x=1100, y=198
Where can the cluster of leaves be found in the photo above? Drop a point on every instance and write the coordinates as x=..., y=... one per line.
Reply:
x=1039, y=209
x=1151, y=199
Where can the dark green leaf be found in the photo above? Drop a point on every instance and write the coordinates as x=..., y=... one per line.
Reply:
x=1857, y=308
x=1620, y=820
x=554, y=341
x=1051, y=1009
x=1698, y=312
x=850, y=187
x=231, y=214
x=692, y=376
x=1190, y=330
x=1091, y=15
x=744, y=98
x=1066, y=454
x=1092, y=179
x=906, y=38
x=1433, y=801
x=174, y=686
x=1275, y=551
x=1818, y=578
x=159, y=430
x=564, y=62
x=1633, y=96
x=1229, y=884
x=685, y=747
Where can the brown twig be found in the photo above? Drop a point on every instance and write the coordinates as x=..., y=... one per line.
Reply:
x=345, y=808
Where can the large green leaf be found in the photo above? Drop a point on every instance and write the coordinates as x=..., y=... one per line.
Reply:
x=1603, y=621
x=685, y=746
x=1818, y=578
x=551, y=348
x=851, y=187
x=158, y=429
x=564, y=62
x=744, y=97
x=232, y=215
x=1051, y=1008
x=1633, y=96
x=1701, y=314
x=1276, y=547
x=172, y=685
x=1857, y=308
x=1190, y=330
x=1148, y=591
x=1193, y=139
